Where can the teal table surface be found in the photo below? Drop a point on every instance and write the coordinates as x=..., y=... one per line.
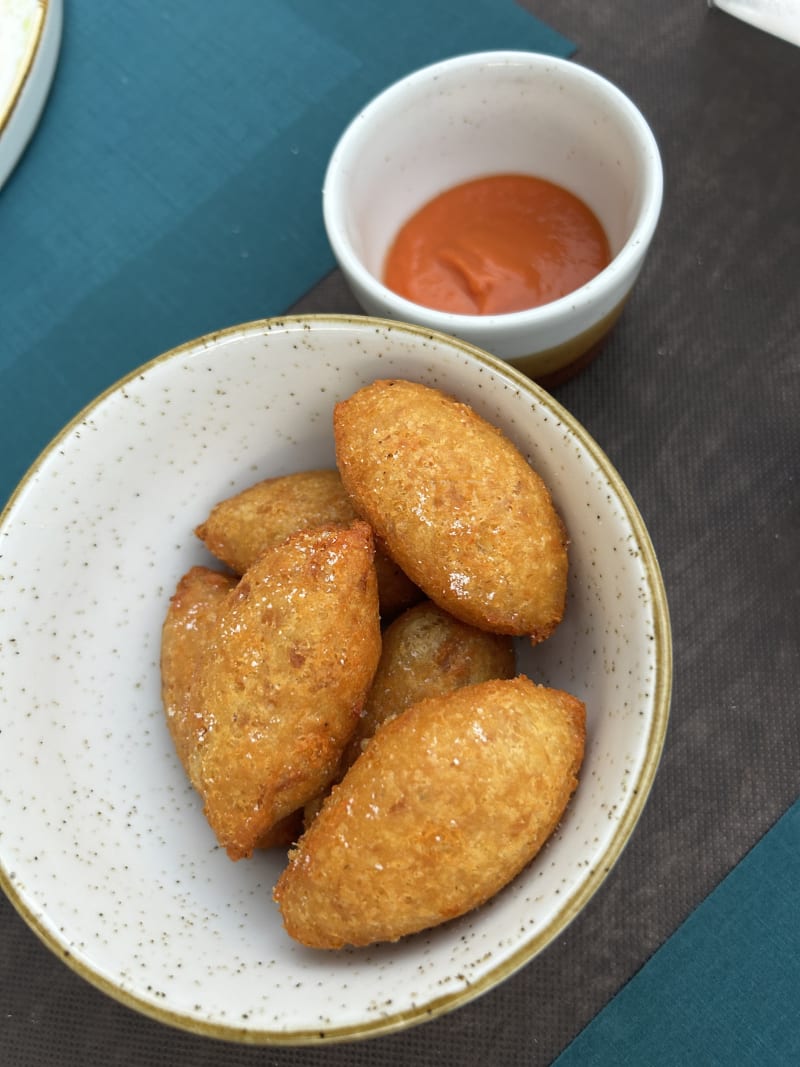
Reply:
x=173, y=186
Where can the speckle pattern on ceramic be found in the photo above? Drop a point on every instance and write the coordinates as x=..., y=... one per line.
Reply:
x=103, y=845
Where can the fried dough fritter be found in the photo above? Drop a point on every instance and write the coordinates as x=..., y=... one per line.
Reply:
x=427, y=652
x=283, y=680
x=446, y=805
x=185, y=634
x=456, y=505
x=396, y=591
x=284, y=833
x=187, y=628
x=239, y=528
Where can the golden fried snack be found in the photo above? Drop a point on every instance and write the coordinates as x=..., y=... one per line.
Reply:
x=188, y=625
x=456, y=506
x=446, y=805
x=284, y=833
x=427, y=652
x=396, y=591
x=187, y=629
x=239, y=529
x=283, y=680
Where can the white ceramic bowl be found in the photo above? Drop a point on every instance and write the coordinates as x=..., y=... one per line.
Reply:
x=489, y=113
x=103, y=846
x=30, y=39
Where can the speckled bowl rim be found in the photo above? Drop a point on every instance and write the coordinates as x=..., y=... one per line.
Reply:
x=635, y=802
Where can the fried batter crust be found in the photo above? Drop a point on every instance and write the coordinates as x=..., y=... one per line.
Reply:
x=427, y=652
x=447, y=804
x=187, y=629
x=456, y=506
x=283, y=680
x=241, y=527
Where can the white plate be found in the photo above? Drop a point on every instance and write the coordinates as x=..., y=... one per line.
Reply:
x=30, y=37
x=103, y=846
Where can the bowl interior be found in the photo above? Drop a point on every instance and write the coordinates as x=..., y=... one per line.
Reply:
x=475, y=116
x=103, y=845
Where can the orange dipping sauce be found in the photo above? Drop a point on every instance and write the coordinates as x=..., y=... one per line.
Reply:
x=495, y=245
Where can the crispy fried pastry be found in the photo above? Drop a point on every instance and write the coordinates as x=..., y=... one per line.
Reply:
x=239, y=528
x=187, y=629
x=188, y=625
x=283, y=680
x=446, y=805
x=427, y=652
x=284, y=833
x=396, y=591
x=456, y=505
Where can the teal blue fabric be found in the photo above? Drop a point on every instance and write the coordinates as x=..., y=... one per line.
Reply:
x=725, y=988
x=173, y=185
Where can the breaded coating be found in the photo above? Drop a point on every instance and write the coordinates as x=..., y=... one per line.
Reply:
x=284, y=680
x=239, y=529
x=446, y=805
x=284, y=833
x=426, y=652
x=396, y=591
x=456, y=505
x=188, y=627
